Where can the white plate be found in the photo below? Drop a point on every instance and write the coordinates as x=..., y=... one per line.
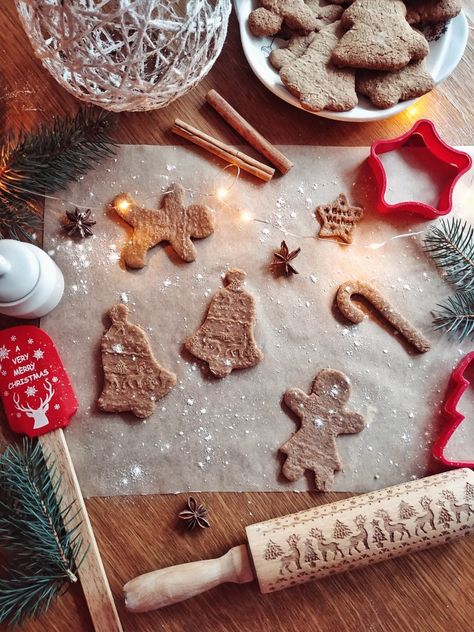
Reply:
x=444, y=56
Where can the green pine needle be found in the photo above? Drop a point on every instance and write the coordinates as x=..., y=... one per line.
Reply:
x=41, y=541
x=36, y=163
x=451, y=244
x=456, y=315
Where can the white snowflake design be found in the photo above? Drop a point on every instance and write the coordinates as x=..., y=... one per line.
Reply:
x=30, y=341
x=13, y=338
x=56, y=406
x=38, y=354
x=31, y=391
x=4, y=352
x=4, y=373
x=54, y=379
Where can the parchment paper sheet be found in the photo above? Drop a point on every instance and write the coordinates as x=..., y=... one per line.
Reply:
x=223, y=435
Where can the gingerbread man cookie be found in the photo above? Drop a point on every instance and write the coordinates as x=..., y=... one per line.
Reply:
x=315, y=80
x=225, y=340
x=133, y=379
x=295, y=48
x=268, y=19
x=323, y=417
x=172, y=222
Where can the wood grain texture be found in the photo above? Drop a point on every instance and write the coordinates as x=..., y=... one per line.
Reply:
x=94, y=582
x=431, y=590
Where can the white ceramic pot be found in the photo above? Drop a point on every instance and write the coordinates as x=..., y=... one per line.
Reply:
x=31, y=284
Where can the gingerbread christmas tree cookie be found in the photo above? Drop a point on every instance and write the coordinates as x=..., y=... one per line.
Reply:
x=323, y=416
x=339, y=218
x=173, y=222
x=225, y=340
x=133, y=379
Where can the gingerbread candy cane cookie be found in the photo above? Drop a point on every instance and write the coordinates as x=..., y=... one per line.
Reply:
x=356, y=315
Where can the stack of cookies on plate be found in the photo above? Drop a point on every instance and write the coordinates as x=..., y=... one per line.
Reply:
x=348, y=47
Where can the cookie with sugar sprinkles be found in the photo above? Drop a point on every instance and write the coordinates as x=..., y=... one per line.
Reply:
x=338, y=219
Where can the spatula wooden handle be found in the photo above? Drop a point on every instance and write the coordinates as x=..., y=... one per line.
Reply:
x=177, y=583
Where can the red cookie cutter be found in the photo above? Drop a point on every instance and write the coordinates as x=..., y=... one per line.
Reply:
x=458, y=385
x=423, y=134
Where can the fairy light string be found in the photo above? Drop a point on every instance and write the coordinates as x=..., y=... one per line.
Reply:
x=221, y=192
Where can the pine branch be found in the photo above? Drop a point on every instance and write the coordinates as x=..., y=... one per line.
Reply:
x=36, y=163
x=42, y=544
x=451, y=244
x=456, y=315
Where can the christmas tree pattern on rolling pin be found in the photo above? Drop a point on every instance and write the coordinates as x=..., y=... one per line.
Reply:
x=133, y=379
x=225, y=340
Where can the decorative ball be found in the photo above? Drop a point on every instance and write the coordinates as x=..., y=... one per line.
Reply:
x=126, y=54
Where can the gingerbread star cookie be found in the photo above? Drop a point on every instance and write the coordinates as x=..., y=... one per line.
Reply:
x=339, y=218
x=173, y=222
x=386, y=89
x=323, y=416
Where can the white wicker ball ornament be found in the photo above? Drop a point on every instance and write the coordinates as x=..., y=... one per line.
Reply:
x=126, y=54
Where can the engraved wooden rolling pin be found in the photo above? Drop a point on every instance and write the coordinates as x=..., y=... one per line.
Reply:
x=323, y=541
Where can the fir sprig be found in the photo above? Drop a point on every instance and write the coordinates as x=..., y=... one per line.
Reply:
x=41, y=541
x=456, y=315
x=451, y=244
x=36, y=163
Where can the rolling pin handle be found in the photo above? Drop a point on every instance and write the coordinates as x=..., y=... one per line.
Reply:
x=167, y=586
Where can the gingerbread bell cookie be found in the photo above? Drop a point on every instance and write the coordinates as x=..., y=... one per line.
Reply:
x=225, y=340
x=133, y=379
x=378, y=37
x=323, y=417
x=173, y=222
x=338, y=219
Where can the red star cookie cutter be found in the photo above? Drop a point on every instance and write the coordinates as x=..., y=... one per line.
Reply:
x=458, y=385
x=423, y=133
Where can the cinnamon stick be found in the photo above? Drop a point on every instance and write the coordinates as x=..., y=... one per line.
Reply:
x=220, y=149
x=247, y=131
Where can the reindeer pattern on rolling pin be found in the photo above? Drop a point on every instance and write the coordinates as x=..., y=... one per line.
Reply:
x=313, y=552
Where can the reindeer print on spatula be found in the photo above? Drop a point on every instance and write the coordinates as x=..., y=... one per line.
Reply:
x=35, y=388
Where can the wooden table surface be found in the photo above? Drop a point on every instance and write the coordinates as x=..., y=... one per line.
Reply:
x=432, y=590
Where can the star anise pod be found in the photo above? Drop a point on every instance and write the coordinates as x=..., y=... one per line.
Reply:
x=283, y=258
x=195, y=515
x=79, y=222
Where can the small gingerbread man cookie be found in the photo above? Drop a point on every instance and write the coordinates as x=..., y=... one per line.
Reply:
x=172, y=222
x=323, y=417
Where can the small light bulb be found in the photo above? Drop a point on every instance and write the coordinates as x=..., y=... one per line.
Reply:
x=222, y=193
x=246, y=216
x=123, y=205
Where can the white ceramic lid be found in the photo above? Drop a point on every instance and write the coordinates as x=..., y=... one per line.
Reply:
x=19, y=270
